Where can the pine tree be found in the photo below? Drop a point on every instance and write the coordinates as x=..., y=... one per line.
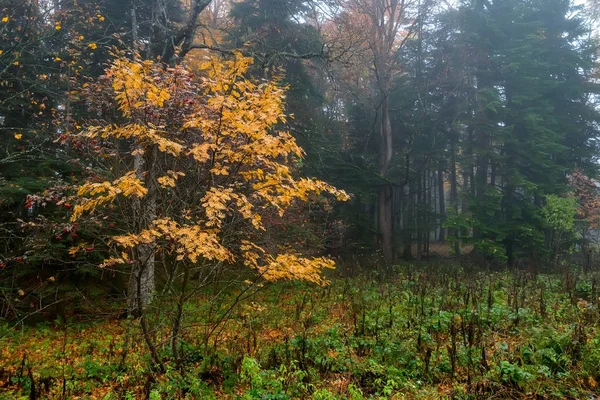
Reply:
x=534, y=118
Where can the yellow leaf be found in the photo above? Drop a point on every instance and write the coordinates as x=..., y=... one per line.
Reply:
x=18, y=136
x=166, y=181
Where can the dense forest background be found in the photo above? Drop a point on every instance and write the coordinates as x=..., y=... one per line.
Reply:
x=448, y=124
x=443, y=137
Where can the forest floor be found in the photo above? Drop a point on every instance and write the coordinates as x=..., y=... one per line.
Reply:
x=431, y=332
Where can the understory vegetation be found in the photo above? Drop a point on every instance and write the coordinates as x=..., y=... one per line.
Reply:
x=435, y=330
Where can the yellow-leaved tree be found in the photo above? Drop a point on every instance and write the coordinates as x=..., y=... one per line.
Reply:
x=195, y=162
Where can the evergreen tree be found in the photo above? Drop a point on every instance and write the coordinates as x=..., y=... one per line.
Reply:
x=534, y=121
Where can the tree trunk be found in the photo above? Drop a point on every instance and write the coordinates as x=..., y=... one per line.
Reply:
x=142, y=279
x=385, y=195
x=408, y=221
x=385, y=223
x=454, y=193
x=442, y=204
x=471, y=170
x=184, y=38
x=419, y=216
x=481, y=177
x=134, y=26
x=493, y=174
x=426, y=208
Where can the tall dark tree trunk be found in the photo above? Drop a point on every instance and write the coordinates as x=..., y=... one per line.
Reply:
x=398, y=209
x=493, y=174
x=471, y=163
x=385, y=222
x=454, y=192
x=419, y=216
x=408, y=215
x=134, y=26
x=385, y=195
x=442, y=203
x=430, y=216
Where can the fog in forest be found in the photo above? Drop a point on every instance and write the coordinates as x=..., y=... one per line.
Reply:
x=299, y=199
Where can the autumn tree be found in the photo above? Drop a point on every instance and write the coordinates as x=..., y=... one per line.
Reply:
x=214, y=165
x=585, y=190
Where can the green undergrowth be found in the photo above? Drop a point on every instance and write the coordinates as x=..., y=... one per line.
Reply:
x=429, y=332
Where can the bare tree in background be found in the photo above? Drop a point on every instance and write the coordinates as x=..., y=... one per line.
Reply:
x=375, y=31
